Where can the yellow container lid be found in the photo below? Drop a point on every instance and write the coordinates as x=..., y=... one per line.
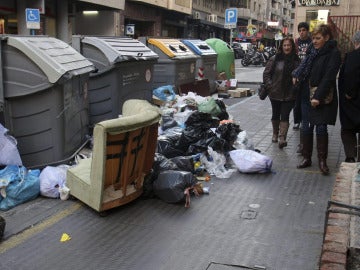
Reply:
x=171, y=47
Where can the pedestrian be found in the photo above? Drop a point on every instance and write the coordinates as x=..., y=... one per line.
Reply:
x=319, y=70
x=349, y=100
x=302, y=43
x=277, y=78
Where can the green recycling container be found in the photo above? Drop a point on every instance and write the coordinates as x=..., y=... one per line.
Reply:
x=226, y=58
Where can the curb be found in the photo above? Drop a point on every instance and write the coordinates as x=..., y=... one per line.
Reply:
x=337, y=229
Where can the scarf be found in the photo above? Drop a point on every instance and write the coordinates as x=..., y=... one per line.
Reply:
x=303, y=70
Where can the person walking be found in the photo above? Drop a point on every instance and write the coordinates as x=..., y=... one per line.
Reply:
x=302, y=99
x=349, y=100
x=319, y=69
x=277, y=78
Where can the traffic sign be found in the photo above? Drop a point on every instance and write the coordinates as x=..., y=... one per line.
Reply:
x=231, y=17
x=32, y=16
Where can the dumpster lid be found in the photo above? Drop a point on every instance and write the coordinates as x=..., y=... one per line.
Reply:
x=173, y=48
x=118, y=49
x=54, y=57
x=199, y=46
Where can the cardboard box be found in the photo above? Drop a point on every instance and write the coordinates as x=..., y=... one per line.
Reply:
x=240, y=92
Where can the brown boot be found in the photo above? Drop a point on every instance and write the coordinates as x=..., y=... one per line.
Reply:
x=300, y=145
x=322, y=149
x=307, y=151
x=275, y=125
x=284, y=126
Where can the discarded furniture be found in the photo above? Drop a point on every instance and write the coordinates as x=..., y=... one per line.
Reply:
x=123, y=153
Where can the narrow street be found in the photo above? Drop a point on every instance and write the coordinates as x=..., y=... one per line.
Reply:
x=270, y=221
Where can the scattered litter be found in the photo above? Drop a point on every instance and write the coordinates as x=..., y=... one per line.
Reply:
x=254, y=205
x=65, y=237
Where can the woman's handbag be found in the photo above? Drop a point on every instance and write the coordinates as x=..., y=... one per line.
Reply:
x=263, y=91
x=327, y=99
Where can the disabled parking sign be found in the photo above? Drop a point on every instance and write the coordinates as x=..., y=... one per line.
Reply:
x=32, y=16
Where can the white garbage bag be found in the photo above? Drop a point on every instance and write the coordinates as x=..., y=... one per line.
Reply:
x=249, y=161
x=9, y=154
x=53, y=182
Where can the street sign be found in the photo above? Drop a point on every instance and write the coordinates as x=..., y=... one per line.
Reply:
x=231, y=17
x=130, y=29
x=32, y=16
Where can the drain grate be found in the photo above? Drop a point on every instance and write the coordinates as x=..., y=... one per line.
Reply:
x=226, y=266
x=248, y=214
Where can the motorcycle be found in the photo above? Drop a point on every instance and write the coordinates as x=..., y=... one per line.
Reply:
x=254, y=57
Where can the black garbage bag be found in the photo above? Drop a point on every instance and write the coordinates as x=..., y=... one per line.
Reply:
x=229, y=132
x=201, y=120
x=223, y=115
x=168, y=121
x=171, y=185
x=148, y=191
x=2, y=227
x=196, y=128
x=189, y=136
x=184, y=163
x=217, y=144
x=162, y=163
x=167, y=147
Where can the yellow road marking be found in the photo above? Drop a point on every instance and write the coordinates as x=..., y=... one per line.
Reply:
x=26, y=234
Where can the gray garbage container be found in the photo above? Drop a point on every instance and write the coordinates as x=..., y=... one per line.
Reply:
x=176, y=64
x=124, y=70
x=44, y=85
x=206, y=63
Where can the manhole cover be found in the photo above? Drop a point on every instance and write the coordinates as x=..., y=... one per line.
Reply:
x=248, y=214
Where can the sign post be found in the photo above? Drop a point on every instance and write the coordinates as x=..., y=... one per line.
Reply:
x=231, y=20
x=32, y=16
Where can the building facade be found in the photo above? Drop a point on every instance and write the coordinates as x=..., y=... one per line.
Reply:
x=257, y=19
x=342, y=15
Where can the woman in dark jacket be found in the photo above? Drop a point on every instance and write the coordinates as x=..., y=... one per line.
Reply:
x=319, y=70
x=277, y=78
x=349, y=100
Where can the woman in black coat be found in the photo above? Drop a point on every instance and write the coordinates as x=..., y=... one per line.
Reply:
x=349, y=100
x=319, y=69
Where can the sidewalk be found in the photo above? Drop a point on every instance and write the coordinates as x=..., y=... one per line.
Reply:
x=274, y=221
x=342, y=230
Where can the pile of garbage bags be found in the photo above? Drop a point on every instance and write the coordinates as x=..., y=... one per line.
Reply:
x=197, y=138
x=18, y=184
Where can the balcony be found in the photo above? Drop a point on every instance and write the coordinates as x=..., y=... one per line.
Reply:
x=158, y=3
x=244, y=13
x=275, y=11
x=183, y=6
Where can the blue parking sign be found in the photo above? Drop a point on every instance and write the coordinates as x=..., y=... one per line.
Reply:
x=32, y=16
x=231, y=16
